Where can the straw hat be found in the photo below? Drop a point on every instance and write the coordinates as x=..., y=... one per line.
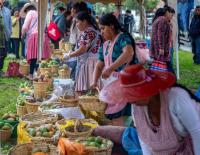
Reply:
x=22, y=12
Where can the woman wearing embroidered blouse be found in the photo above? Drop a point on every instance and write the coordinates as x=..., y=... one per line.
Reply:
x=166, y=115
x=115, y=54
x=86, y=51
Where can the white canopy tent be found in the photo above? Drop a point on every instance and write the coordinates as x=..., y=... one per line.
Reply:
x=42, y=10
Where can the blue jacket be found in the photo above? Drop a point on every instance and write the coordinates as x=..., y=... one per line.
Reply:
x=195, y=27
x=61, y=23
x=7, y=22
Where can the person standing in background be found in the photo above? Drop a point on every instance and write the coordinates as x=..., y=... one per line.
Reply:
x=129, y=21
x=195, y=35
x=30, y=29
x=15, y=38
x=5, y=33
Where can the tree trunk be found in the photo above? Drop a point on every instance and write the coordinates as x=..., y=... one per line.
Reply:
x=142, y=18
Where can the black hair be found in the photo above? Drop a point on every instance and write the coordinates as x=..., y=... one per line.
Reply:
x=61, y=8
x=110, y=20
x=80, y=7
x=30, y=8
x=198, y=6
x=86, y=16
x=128, y=11
x=14, y=10
x=159, y=12
x=169, y=9
x=188, y=91
x=67, y=13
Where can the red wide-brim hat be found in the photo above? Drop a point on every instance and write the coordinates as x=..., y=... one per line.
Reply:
x=136, y=83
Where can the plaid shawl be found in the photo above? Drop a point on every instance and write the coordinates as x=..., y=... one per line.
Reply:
x=2, y=32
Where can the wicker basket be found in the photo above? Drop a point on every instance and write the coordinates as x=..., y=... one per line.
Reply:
x=50, y=140
x=40, y=89
x=26, y=149
x=98, y=151
x=39, y=118
x=5, y=135
x=21, y=110
x=32, y=106
x=24, y=69
x=68, y=47
x=54, y=69
x=64, y=74
x=75, y=123
x=69, y=101
x=92, y=103
x=43, y=70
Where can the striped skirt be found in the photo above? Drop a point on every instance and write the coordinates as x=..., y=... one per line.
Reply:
x=84, y=76
x=32, y=47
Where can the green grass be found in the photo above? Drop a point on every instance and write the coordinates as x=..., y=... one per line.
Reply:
x=189, y=76
x=189, y=72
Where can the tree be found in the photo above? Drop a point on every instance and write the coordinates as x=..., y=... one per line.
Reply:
x=13, y=3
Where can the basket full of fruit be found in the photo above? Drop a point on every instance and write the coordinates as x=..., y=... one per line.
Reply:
x=96, y=145
x=76, y=127
x=91, y=102
x=34, y=149
x=39, y=118
x=5, y=131
x=21, y=105
x=64, y=72
x=40, y=85
x=54, y=66
x=44, y=67
x=24, y=67
x=43, y=133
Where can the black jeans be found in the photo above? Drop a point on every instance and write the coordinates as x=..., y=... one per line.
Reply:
x=23, y=48
x=15, y=46
x=3, y=54
x=33, y=66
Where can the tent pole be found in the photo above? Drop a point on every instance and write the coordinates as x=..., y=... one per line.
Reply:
x=39, y=30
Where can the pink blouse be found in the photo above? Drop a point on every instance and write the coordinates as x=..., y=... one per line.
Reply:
x=31, y=23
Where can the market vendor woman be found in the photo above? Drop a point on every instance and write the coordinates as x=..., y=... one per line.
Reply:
x=116, y=53
x=86, y=51
x=166, y=115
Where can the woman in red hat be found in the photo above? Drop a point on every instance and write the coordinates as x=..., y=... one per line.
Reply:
x=116, y=52
x=166, y=115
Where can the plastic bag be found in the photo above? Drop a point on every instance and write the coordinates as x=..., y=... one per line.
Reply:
x=131, y=142
x=67, y=147
x=23, y=136
x=71, y=112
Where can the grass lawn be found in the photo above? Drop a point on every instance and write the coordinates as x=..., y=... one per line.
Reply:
x=189, y=76
x=189, y=72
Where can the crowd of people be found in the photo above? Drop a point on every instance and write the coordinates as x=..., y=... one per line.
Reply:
x=166, y=115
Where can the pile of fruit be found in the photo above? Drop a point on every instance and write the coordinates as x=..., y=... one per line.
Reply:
x=53, y=63
x=23, y=62
x=11, y=57
x=21, y=100
x=41, y=78
x=44, y=64
x=10, y=117
x=97, y=142
x=64, y=67
x=26, y=89
x=5, y=148
x=5, y=126
x=47, y=130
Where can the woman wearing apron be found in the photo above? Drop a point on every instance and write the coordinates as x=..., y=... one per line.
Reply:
x=86, y=53
x=116, y=53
